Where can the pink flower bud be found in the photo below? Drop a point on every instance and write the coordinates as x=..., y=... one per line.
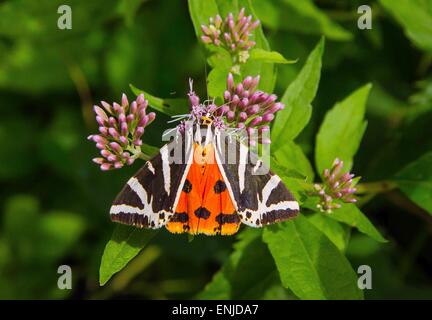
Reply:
x=130, y=118
x=224, y=109
x=116, y=147
x=105, y=153
x=114, y=133
x=253, y=109
x=105, y=166
x=137, y=142
x=256, y=121
x=218, y=21
x=256, y=97
x=123, y=140
x=230, y=82
x=227, y=95
x=133, y=107
x=98, y=160
x=140, y=99
x=99, y=112
x=241, y=14
x=122, y=118
x=275, y=107
x=206, y=39
x=268, y=117
x=100, y=146
x=235, y=101
x=106, y=106
x=206, y=30
x=230, y=115
x=254, y=24
x=244, y=103
x=103, y=130
x=112, y=122
x=138, y=132
x=100, y=121
x=98, y=139
x=227, y=38
x=247, y=82
x=117, y=108
x=118, y=165
x=151, y=116
x=124, y=101
x=112, y=158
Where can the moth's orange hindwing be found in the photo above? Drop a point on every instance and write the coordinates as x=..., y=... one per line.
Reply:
x=205, y=205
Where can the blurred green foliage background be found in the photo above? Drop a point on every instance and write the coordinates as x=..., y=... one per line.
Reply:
x=55, y=201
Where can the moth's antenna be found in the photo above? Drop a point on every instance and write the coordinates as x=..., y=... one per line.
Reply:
x=178, y=117
x=190, y=84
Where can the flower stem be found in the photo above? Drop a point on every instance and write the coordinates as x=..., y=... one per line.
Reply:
x=375, y=187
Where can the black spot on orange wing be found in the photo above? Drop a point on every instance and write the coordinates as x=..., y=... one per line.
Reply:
x=202, y=213
x=219, y=186
x=223, y=218
x=181, y=217
x=187, y=187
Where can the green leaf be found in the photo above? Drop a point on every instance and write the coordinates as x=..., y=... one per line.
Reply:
x=349, y=214
x=415, y=180
x=291, y=157
x=297, y=99
x=306, y=17
x=337, y=233
x=125, y=243
x=149, y=150
x=342, y=129
x=37, y=238
x=170, y=107
x=268, y=56
x=58, y=231
x=217, y=82
x=415, y=16
x=20, y=216
x=309, y=263
x=233, y=281
x=128, y=9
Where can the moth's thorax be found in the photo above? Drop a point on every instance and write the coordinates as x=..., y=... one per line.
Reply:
x=203, y=155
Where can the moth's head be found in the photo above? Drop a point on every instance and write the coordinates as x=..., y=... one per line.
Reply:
x=203, y=131
x=207, y=120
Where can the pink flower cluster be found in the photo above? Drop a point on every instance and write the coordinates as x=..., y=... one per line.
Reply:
x=121, y=127
x=336, y=186
x=232, y=33
x=247, y=108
